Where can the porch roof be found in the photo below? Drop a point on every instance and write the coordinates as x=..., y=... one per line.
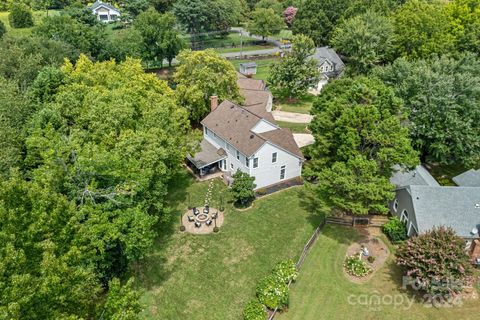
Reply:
x=207, y=155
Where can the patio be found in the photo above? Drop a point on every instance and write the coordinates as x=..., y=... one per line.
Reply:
x=202, y=220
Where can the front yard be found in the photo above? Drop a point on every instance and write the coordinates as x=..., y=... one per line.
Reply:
x=322, y=291
x=213, y=276
x=303, y=105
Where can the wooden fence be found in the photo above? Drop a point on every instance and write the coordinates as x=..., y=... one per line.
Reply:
x=302, y=257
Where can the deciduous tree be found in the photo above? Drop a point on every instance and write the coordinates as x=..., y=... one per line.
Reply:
x=367, y=40
x=204, y=73
x=265, y=22
x=242, y=188
x=296, y=72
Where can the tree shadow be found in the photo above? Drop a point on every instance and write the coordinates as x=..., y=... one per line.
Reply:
x=316, y=215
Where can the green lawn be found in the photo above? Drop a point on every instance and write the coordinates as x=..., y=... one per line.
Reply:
x=233, y=39
x=263, y=67
x=213, y=276
x=37, y=17
x=322, y=291
x=300, y=106
x=245, y=48
x=294, y=127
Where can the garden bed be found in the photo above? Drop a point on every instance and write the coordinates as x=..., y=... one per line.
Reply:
x=377, y=249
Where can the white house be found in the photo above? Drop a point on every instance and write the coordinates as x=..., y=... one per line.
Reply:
x=237, y=138
x=105, y=12
x=330, y=66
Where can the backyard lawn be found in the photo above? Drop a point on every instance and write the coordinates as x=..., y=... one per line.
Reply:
x=323, y=292
x=294, y=127
x=263, y=67
x=300, y=106
x=245, y=49
x=213, y=276
x=37, y=17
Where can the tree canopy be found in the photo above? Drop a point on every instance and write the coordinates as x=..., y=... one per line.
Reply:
x=265, y=22
x=442, y=99
x=358, y=140
x=200, y=75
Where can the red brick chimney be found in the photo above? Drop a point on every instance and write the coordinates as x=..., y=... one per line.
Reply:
x=213, y=103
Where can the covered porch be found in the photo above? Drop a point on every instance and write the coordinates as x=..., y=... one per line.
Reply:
x=208, y=161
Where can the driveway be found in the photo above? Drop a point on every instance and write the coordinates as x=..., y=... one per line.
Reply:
x=303, y=139
x=291, y=117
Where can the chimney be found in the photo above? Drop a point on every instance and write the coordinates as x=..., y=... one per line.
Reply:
x=213, y=103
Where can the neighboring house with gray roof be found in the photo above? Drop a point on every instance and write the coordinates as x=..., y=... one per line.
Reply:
x=470, y=178
x=256, y=94
x=422, y=204
x=330, y=66
x=238, y=138
x=105, y=12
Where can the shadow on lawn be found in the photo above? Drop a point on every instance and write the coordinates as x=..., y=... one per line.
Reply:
x=153, y=265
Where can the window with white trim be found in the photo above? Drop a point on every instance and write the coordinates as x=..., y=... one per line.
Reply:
x=395, y=205
x=282, y=172
x=404, y=216
x=274, y=157
x=238, y=155
x=247, y=162
x=255, y=162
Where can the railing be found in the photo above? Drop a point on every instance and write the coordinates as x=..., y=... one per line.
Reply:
x=302, y=257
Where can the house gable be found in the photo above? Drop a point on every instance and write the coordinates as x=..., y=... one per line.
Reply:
x=264, y=126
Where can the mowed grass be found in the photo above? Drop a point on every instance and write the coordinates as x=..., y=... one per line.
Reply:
x=37, y=18
x=323, y=292
x=303, y=105
x=294, y=127
x=263, y=67
x=213, y=276
x=245, y=49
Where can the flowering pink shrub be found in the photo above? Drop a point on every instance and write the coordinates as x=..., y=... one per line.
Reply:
x=289, y=15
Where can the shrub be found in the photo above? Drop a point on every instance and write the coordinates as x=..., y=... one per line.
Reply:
x=254, y=310
x=286, y=271
x=356, y=266
x=242, y=188
x=215, y=229
x=20, y=16
x=3, y=29
x=395, y=230
x=182, y=228
x=436, y=260
x=371, y=259
x=272, y=292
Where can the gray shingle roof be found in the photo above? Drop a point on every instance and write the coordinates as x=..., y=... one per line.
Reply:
x=455, y=207
x=99, y=3
x=470, y=178
x=418, y=176
x=326, y=53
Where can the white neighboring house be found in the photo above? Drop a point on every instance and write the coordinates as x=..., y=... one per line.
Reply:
x=105, y=12
x=237, y=138
x=330, y=66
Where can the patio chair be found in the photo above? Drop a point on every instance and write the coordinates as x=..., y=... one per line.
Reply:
x=215, y=215
x=191, y=218
x=209, y=222
x=196, y=212
x=205, y=210
x=198, y=224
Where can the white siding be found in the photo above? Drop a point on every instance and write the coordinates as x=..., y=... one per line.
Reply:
x=263, y=126
x=268, y=173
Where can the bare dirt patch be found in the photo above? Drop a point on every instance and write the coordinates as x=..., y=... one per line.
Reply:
x=377, y=249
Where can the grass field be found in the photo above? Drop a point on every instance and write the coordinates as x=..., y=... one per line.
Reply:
x=245, y=48
x=294, y=127
x=323, y=292
x=300, y=106
x=263, y=67
x=213, y=276
x=37, y=17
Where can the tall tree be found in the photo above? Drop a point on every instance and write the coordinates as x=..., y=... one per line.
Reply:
x=465, y=19
x=422, y=29
x=204, y=73
x=160, y=39
x=296, y=72
x=316, y=19
x=265, y=22
x=442, y=99
x=358, y=140
x=367, y=40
